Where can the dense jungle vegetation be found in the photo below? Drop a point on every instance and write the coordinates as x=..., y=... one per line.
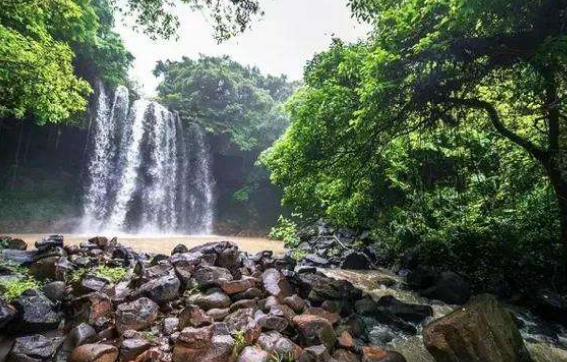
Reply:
x=444, y=133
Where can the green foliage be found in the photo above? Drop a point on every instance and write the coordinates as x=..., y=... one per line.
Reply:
x=158, y=18
x=431, y=137
x=18, y=282
x=39, y=70
x=226, y=98
x=36, y=71
x=285, y=230
x=282, y=357
x=77, y=275
x=298, y=254
x=241, y=110
x=114, y=274
x=12, y=288
x=239, y=340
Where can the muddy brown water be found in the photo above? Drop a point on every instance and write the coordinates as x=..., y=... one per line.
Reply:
x=165, y=244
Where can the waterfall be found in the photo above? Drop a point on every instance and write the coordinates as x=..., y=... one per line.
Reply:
x=148, y=171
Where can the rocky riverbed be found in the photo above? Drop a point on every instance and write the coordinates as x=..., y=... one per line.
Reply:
x=102, y=301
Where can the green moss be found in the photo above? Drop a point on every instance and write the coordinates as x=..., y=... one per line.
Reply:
x=114, y=274
x=12, y=288
x=298, y=254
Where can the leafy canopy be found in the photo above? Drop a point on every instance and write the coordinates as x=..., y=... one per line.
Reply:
x=444, y=128
x=226, y=98
x=46, y=46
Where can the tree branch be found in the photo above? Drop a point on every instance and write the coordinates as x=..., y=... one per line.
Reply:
x=534, y=150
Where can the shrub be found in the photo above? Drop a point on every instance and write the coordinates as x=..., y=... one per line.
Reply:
x=14, y=287
x=114, y=274
x=285, y=230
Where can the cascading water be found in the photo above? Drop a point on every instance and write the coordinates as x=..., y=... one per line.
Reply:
x=148, y=172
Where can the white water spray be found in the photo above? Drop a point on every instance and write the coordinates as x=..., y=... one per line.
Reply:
x=148, y=172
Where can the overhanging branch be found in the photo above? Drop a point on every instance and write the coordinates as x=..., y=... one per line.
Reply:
x=474, y=103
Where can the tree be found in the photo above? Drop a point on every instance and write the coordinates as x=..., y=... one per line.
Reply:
x=158, y=19
x=48, y=48
x=450, y=61
x=241, y=109
x=226, y=98
x=36, y=72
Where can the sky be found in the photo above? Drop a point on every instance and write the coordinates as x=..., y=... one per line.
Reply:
x=281, y=42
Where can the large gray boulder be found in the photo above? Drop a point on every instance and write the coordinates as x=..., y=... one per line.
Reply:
x=481, y=331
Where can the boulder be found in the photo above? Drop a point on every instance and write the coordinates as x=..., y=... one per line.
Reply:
x=7, y=313
x=251, y=293
x=551, y=306
x=170, y=325
x=93, y=283
x=314, y=330
x=271, y=322
x=218, y=314
x=448, y=287
x=45, y=268
x=213, y=299
x=222, y=349
x=81, y=334
x=95, y=309
x=343, y=355
x=193, y=316
x=319, y=288
x=36, y=348
x=212, y=276
x=333, y=318
x=244, y=303
x=137, y=315
x=36, y=313
x=409, y=312
x=276, y=344
x=161, y=290
x=315, y=354
x=49, y=242
x=133, y=347
x=253, y=354
x=94, y=353
x=229, y=256
x=375, y=354
x=276, y=284
x=55, y=291
x=354, y=260
x=481, y=331
x=243, y=321
x=14, y=243
x=239, y=286
x=100, y=241
x=18, y=257
x=346, y=341
x=296, y=303
x=179, y=249
x=192, y=344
